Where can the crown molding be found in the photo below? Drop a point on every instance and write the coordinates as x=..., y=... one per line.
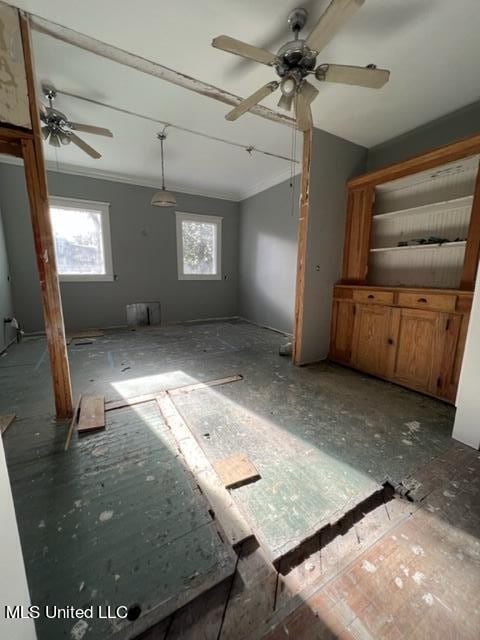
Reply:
x=87, y=172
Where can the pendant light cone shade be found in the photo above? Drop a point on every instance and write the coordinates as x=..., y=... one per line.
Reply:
x=163, y=198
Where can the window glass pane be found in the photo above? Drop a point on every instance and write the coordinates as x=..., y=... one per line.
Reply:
x=78, y=241
x=199, y=248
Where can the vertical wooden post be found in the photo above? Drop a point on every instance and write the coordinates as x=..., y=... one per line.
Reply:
x=44, y=243
x=302, y=246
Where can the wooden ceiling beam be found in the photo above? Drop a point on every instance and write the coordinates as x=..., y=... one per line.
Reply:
x=110, y=52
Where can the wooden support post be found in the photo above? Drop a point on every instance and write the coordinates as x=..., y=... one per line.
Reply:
x=44, y=243
x=302, y=246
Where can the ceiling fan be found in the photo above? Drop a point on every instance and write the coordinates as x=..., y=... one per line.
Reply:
x=59, y=130
x=297, y=59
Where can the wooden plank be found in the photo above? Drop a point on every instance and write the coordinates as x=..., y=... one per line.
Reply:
x=441, y=155
x=14, y=109
x=472, y=250
x=37, y=189
x=204, y=385
x=236, y=470
x=188, y=388
x=149, y=67
x=302, y=247
x=88, y=333
x=73, y=423
x=92, y=414
x=229, y=518
x=6, y=421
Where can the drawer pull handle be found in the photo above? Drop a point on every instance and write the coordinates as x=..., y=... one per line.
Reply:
x=371, y=296
x=424, y=300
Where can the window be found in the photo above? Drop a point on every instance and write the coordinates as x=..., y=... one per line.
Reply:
x=199, y=247
x=82, y=239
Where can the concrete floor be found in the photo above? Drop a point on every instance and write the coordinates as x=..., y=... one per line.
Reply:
x=322, y=437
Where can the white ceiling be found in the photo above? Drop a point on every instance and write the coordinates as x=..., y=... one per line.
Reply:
x=431, y=47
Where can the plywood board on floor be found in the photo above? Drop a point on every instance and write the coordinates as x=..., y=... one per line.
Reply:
x=92, y=414
x=236, y=470
x=117, y=518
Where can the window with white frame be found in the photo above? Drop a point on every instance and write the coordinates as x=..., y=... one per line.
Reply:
x=199, y=247
x=81, y=229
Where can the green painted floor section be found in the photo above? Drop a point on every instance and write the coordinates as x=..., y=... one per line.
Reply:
x=322, y=437
x=116, y=520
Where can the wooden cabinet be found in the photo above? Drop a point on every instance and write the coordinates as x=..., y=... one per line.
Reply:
x=372, y=341
x=384, y=333
x=343, y=317
x=418, y=348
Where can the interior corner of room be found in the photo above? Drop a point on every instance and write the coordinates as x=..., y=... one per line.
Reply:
x=240, y=311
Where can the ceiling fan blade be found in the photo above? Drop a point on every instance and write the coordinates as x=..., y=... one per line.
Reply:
x=309, y=92
x=252, y=100
x=303, y=113
x=54, y=140
x=243, y=49
x=285, y=102
x=358, y=76
x=335, y=16
x=88, y=128
x=84, y=146
x=45, y=132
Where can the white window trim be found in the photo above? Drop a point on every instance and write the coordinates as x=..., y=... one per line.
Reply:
x=196, y=217
x=104, y=209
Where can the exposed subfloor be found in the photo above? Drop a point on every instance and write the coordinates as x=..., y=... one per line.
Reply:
x=322, y=437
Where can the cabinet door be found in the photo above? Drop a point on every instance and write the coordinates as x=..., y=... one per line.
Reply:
x=373, y=345
x=343, y=315
x=455, y=331
x=419, y=348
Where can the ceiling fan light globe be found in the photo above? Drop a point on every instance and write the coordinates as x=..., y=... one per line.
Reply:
x=64, y=138
x=164, y=198
x=54, y=140
x=288, y=87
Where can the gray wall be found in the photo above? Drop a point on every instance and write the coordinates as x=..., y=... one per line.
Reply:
x=6, y=306
x=458, y=124
x=334, y=161
x=144, y=255
x=268, y=256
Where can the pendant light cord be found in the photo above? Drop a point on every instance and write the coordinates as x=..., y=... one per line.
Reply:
x=163, y=167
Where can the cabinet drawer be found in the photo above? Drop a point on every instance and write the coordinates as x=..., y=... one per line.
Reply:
x=376, y=297
x=438, y=301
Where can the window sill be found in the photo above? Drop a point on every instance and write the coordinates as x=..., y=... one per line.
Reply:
x=199, y=277
x=92, y=277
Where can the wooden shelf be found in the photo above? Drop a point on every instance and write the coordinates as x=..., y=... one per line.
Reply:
x=436, y=207
x=443, y=245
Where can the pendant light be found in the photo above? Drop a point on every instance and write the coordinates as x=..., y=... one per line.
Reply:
x=163, y=198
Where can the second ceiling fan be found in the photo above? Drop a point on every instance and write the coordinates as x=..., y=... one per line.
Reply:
x=297, y=59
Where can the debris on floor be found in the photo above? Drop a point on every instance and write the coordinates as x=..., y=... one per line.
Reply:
x=6, y=421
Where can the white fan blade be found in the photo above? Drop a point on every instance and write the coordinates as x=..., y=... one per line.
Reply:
x=88, y=128
x=251, y=101
x=45, y=131
x=303, y=113
x=309, y=92
x=358, y=76
x=336, y=15
x=285, y=102
x=243, y=49
x=84, y=146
